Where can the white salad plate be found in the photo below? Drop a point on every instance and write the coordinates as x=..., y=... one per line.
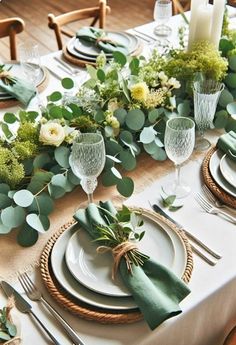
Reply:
x=214, y=167
x=82, y=293
x=95, y=270
x=228, y=170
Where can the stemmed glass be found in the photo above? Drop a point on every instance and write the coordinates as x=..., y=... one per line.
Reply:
x=179, y=143
x=87, y=160
x=206, y=95
x=31, y=65
x=162, y=14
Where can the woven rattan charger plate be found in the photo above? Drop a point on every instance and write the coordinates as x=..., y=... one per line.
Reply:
x=212, y=185
x=42, y=86
x=86, y=311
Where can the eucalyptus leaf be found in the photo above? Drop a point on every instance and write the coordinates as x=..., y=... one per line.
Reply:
x=231, y=108
x=5, y=201
x=42, y=204
x=125, y=186
x=55, y=96
x=153, y=115
x=128, y=161
x=39, y=223
x=116, y=173
x=27, y=236
x=13, y=216
x=126, y=137
x=119, y=57
x=221, y=118
x=120, y=114
x=67, y=83
x=7, y=132
x=147, y=135
x=41, y=160
x=61, y=155
x=99, y=116
x=184, y=108
x=59, y=180
x=101, y=75
x=4, y=229
x=55, y=112
x=159, y=154
x=114, y=159
x=23, y=198
x=230, y=80
x=72, y=178
x=4, y=336
x=232, y=62
x=109, y=179
x=10, y=118
x=225, y=98
x=56, y=192
x=135, y=119
x=4, y=188
x=112, y=147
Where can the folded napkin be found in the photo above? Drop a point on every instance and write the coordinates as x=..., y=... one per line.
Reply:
x=19, y=88
x=227, y=143
x=99, y=38
x=155, y=289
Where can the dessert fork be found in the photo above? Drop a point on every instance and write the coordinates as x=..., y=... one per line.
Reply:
x=216, y=202
x=209, y=208
x=35, y=295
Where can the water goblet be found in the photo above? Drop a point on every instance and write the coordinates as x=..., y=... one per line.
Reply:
x=206, y=94
x=162, y=13
x=87, y=160
x=30, y=61
x=179, y=143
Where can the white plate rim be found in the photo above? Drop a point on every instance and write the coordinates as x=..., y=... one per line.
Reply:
x=223, y=168
x=214, y=167
x=98, y=285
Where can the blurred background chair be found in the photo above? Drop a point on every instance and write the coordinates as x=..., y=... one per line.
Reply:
x=231, y=338
x=60, y=23
x=10, y=27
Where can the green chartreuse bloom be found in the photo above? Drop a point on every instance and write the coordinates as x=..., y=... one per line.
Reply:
x=11, y=170
x=28, y=132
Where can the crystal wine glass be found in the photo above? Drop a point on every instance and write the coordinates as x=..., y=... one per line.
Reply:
x=179, y=143
x=162, y=14
x=206, y=95
x=87, y=160
x=30, y=61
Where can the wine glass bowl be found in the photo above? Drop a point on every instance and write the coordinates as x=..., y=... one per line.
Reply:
x=179, y=143
x=30, y=61
x=162, y=14
x=206, y=94
x=87, y=160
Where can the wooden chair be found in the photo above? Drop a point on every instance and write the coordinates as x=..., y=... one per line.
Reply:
x=231, y=338
x=10, y=27
x=98, y=14
x=180, y=6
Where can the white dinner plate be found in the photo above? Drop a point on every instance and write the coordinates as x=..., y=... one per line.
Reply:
x=228, y=170
x=80, y=292
x=94, y=270
x=17, y=71
x=214, y=167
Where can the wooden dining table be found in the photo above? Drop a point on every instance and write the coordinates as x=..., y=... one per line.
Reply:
x=209, y=312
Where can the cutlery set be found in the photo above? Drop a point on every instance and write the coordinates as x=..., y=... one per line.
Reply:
x=34, y=294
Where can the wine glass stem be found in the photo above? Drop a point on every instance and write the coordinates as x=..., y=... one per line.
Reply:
x=90, y=198
x=177, y=174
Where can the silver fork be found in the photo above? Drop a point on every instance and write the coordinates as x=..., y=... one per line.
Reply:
x=216, y=202
x=35, y=295
x=211, y=209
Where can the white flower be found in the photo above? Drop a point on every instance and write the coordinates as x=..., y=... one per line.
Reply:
x=70, y=134
x=174, y=82
x=112, y=104
x=52, y=133
x=163, y=77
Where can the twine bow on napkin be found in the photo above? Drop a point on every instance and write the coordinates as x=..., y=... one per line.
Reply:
x=20, y=89
x=100, y=40
x=155, y=289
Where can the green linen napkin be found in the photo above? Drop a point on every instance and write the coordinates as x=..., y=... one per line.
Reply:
x=19, y=88
x=227, y=143
x=155, y=289
x=100, y=40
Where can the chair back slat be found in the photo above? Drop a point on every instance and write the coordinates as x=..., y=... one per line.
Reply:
x=10, y=27
x=98, y=14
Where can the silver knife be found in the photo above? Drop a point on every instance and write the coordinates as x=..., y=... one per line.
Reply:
x=159, y=210
x=24, y=307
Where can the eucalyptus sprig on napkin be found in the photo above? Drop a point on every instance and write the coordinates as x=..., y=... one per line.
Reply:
x=7, y=328
x=156, y=290
x=5, y=75
x=120, y=236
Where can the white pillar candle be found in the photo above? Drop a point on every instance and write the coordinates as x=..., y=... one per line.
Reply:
x=192, y=24
x=217, y=21
x=203, y=23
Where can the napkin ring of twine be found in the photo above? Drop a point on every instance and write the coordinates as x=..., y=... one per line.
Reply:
x=105, y=39
x=6, y=77
x=118, y=252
